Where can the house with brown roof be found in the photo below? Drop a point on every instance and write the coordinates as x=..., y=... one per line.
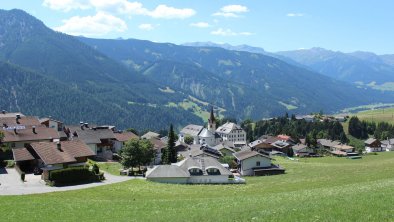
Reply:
x=19, y=138
x=52, y=155
x=252, y=163
x=158, y=146
x=373, y=145
x=302, y=150
x=99, y=138
x=121, y=138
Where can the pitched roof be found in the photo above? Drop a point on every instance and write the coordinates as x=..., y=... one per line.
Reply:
x=42, y=133
x=192, y=130
x=24, y=121
x=245, y=154
x=125, y=136
x=370, y=141
x=92, y=135
x=22, y=154
x=76, y=148
x=223, y=146
x=49, y=154
x=157, y=143
x=69, y=151
x=228, y=127
x=299, y=147
x=343, y=147
x=329, y=143
x=150, y=135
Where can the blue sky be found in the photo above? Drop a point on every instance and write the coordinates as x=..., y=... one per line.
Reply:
x=275, y=25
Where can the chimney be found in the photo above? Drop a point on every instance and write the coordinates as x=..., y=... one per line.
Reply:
x=86, y=125
x=5, y=125
x=59, y=146
x=34, y=129
x=15, y=131
x=3, y=111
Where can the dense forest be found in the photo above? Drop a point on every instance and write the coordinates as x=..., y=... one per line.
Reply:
x=363, y=129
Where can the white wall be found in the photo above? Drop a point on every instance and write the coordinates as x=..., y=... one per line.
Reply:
x=248, y=164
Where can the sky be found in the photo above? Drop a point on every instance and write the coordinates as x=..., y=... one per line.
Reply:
x=275, y=25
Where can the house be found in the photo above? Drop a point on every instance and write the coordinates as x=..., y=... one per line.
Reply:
x=99, y=139
x=50, y=156
x=19, y=138
x=52, y=123
x=190, y=130
x=327, y=144
x=149, y=135
x=121, y=138
x=192, y=170
x=252, y=163
x=158, y=146
x=286, y=138
x=388, y=144
x=302, y=150
x=373, y=145
x=233, y=133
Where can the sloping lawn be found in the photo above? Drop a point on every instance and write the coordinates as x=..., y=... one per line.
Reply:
x=321, y=189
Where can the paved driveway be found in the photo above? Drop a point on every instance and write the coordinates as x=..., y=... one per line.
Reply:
x=10, y=183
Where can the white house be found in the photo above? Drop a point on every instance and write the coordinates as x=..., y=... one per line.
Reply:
x=233, y=133
x=373, y=145
x=252, y=163
x=388, y=145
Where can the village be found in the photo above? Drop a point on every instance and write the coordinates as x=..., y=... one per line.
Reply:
x=51, y=150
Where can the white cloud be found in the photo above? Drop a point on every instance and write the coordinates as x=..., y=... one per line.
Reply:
x=229, y=32
x=66, y=5
x=200, y=25
x=121, y=7
x=168, y=12
x=146, y=27
x=295, y=14
x=97, y=25
x=233, y=11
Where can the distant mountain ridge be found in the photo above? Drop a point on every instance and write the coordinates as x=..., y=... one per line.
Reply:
x=356, y=67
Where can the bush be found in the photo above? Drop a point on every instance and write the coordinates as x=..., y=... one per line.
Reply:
x=74, y=175
x=95, y=168
x=9, y=163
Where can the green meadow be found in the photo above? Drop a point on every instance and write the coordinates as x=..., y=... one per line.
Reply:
x=320, y=189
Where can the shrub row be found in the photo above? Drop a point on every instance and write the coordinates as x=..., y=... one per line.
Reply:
x=74, y=175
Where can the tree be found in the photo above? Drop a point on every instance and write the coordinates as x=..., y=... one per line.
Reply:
x=170, y=153
x=188, y=139
x=137, y=152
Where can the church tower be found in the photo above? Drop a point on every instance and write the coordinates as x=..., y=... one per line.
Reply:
x=212, y=122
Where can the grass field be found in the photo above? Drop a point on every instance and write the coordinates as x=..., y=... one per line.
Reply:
x=378, y=115
x=321, y=189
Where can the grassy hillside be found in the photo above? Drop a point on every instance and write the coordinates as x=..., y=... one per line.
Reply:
x=379, y=115
x=321, y=189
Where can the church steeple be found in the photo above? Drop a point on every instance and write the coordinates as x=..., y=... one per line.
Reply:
x=212, y=122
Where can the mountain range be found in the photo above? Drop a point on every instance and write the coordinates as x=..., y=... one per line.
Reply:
x=361, y=68
x=147, y=85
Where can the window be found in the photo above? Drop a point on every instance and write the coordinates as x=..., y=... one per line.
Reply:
x=258, y=163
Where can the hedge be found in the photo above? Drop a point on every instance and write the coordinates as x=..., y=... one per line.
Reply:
x=74, y=175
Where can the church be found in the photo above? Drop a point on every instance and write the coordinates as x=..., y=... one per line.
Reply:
x=202, y=135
